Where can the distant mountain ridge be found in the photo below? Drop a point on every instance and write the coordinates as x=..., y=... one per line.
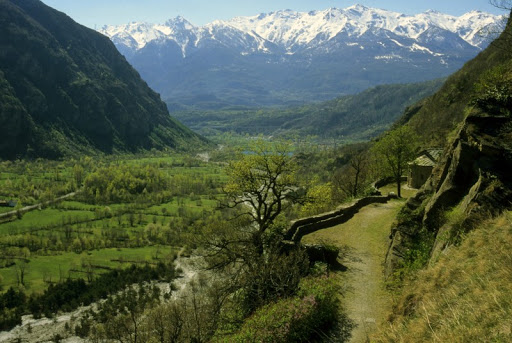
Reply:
x=286, y=57
x=291, y=30
x=65, y=89
x=350, y=118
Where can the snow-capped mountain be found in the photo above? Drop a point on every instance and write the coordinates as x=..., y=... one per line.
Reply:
x=288, y=55
x=292, y=30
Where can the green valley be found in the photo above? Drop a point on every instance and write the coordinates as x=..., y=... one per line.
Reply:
x=285, y=224
x=346, y=119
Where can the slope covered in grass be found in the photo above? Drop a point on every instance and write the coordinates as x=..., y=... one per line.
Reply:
x=465, y=297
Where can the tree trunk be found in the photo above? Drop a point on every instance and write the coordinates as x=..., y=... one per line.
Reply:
x=399, y=186
x=356, y=184
x=258, y=242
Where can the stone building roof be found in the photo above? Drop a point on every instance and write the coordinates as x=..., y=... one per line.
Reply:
x=428, y=158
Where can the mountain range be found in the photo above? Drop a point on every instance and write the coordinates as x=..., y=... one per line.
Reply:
x=65, y=89
x=288, y=57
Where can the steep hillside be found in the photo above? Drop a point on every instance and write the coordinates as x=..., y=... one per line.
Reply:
x=349, y=118
x=449, y=229
x=465, y=297
x=471, y=183
x=437, y=116
x=288, y=57
x=472, y=179
x=65, y=89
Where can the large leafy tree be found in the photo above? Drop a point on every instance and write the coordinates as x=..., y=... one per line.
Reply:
x=262, y=183
x=393, y=151
x=259, y=269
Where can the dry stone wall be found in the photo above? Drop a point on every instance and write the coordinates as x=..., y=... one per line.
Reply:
x=304, y=226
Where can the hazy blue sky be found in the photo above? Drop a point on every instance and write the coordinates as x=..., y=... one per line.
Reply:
x=200, y=12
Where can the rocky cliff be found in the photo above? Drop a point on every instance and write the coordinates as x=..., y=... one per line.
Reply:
x=473, y=182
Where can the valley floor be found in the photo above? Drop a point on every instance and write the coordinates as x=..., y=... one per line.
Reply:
x=45, y=330
x=363, y=241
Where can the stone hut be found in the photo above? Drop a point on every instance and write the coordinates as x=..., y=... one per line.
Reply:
x=421, y=168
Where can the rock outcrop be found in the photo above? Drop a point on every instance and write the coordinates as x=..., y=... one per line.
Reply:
x=473, y=181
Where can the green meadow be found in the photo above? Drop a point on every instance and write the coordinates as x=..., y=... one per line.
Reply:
x=42, y=270
x=127, y=210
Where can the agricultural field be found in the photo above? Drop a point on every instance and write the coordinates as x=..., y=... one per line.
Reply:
x=125, y=210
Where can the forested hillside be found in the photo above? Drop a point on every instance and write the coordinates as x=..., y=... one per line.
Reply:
x=484, y=79
x=66, y=89
x=347, y=118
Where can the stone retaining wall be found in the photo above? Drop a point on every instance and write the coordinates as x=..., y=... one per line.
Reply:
x=382, y=182
x=305, y=226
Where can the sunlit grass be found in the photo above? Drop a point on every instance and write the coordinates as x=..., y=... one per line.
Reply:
x=58, y=267
x=43, y=218
x=465, y=297
x=406, y=191
x=50, y=232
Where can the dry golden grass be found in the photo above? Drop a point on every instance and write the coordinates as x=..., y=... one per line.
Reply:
x=465, y=297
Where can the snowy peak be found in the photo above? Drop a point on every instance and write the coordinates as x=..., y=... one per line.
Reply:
x=291, y=31
x=135, y=34
x=179, y=23
x=358, y=9
x=285, y=57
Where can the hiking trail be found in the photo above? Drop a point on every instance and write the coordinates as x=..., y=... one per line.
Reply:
x=363, y=241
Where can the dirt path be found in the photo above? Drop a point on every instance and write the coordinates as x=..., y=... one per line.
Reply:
x=364, y=241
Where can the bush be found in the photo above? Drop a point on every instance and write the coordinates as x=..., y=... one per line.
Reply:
x=302, y=318
x=271, y=277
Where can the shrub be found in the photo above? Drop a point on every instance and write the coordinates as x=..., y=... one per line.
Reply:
x=302, y=318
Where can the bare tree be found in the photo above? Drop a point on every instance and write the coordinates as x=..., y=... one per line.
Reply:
x=165, y=323
x=351, y=179
x=21, y=270
x=501, y=32
x=502, y=4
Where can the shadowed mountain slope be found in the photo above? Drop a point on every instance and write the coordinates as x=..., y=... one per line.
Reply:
x=65, y=89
